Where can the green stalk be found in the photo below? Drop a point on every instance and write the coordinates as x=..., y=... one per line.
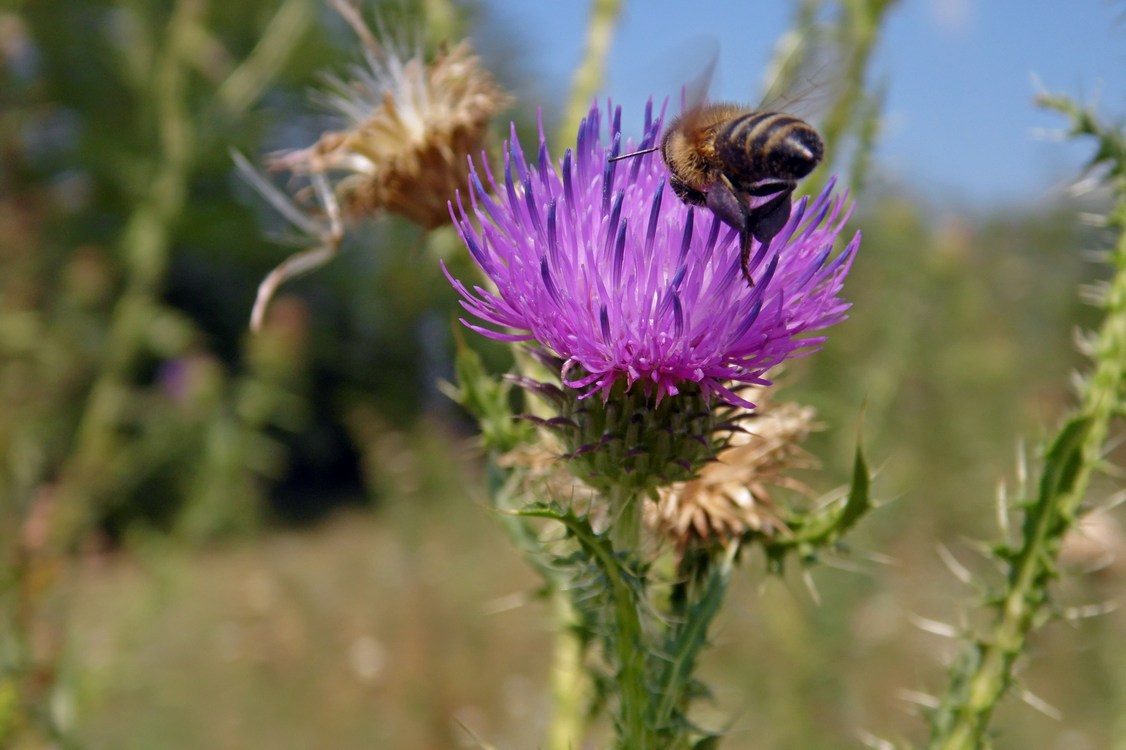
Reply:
x=91, y=467
x=570, y=685
x=443, y=21
x=604, y=16
x=568, y=678
x=984, y=672
x=625, y=596
x=245, y=84
x=145, y=243
x=625, y=520
x=859, y=31
x=488, y=399
x=145, y=251
x=633, y=692
x=688, y=636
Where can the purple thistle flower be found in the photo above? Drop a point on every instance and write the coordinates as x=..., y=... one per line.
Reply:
x=610, y=272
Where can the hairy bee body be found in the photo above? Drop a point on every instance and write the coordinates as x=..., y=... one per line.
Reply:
x=741, y=163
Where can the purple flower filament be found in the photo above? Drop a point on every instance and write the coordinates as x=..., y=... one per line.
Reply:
x=603, y=266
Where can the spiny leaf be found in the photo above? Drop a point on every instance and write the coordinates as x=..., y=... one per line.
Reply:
x=623, y=634
x=824, y=528
x=687, y=640
x=1065, y=457
x=859, y=494
x=487, y=398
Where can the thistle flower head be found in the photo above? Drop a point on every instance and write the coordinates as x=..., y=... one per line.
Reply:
x=410, y=125
x=603, y=267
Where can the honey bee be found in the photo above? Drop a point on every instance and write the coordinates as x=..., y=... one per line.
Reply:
x=742, y=164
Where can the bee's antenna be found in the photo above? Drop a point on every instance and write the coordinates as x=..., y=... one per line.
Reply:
x=635, y=153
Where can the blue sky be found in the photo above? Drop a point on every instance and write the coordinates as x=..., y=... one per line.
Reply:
x=960, y=125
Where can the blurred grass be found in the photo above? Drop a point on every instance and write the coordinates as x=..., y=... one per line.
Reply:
x=362, y=632
x=388, y=629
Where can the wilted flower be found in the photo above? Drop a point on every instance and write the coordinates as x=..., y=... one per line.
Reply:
x=607, y=270
x=542, y=474
x=731, y=497
x=410, y=126
x=1094, y=544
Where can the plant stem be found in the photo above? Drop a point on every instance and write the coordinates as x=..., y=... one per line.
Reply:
x=633, y=692
x=625, y=521
x=861, y=31
x=144, y=249
x=245, y=84
x=568, y=678
x=588, y=76
x=985, y=671
x=856, y=35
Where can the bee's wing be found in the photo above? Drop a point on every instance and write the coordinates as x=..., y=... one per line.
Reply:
x=686, y=70
x=694, y=93
x=802, y=75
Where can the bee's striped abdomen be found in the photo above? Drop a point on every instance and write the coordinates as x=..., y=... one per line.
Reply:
x=770, y=146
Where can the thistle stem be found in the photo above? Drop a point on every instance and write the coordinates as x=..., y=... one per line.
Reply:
x=985, y=671
x=633, y=693
x=144, y=248
x=604, y=16
x=568, y=678
x=625, y=520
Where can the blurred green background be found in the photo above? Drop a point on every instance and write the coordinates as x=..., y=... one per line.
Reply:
x=279, y=541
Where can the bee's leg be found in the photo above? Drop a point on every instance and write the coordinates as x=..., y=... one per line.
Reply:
x=763, y=223
x=726, y=204
x=745, y=238
x=732, y=209
x=768, y=219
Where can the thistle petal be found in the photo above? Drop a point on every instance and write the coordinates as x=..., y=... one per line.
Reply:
x=629, y=285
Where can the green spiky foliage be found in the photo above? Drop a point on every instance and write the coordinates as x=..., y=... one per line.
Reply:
x=983, y=674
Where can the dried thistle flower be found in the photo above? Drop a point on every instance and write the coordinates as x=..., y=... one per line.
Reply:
x=543, y=473
x=410, y=126
x=731, y=496
x=1095, y=544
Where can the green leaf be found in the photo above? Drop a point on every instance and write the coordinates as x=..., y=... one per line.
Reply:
x=711, y=742
x=824, y=528
x=622, y=588
x=487, y=397
x=859, y=494
x=687, y=640
x=1064, y=460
